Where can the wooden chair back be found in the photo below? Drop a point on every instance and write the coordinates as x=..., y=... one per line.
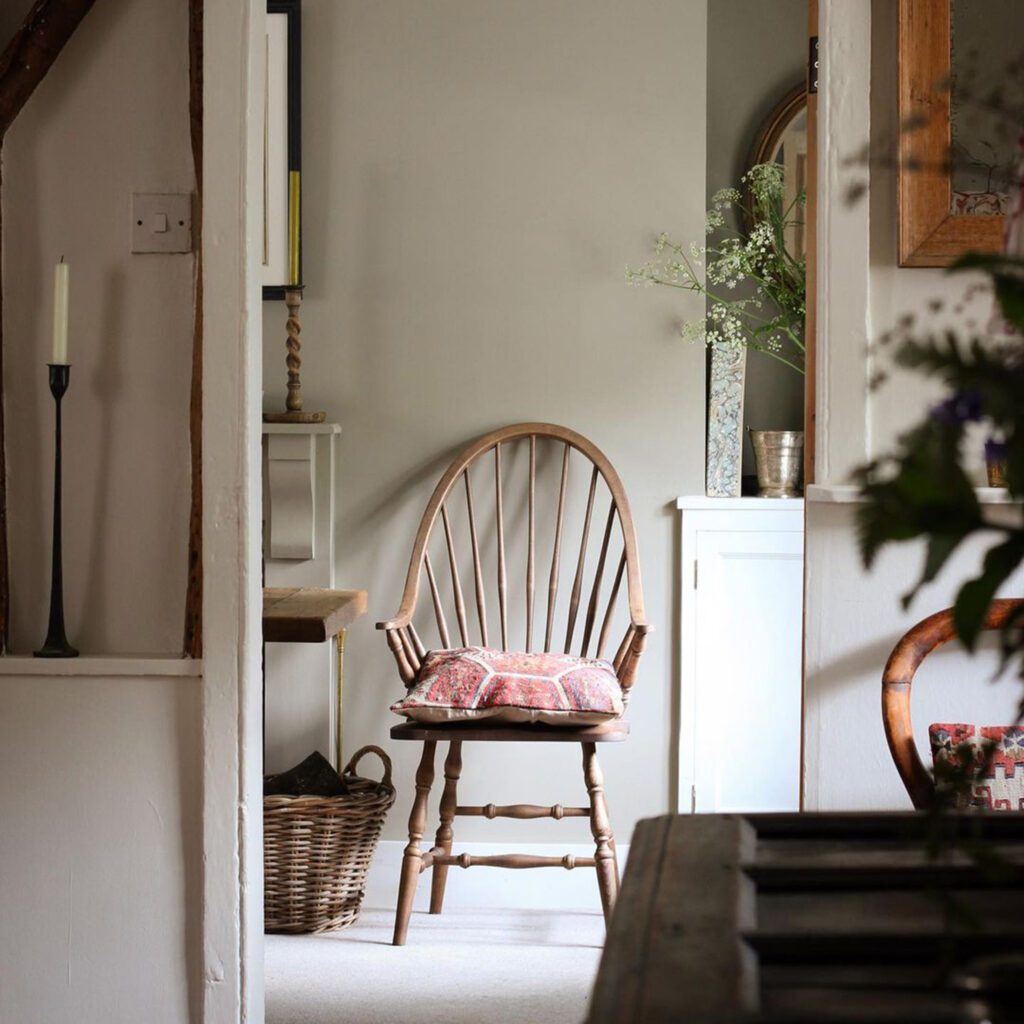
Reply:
x=907, y=656
x=596, y=578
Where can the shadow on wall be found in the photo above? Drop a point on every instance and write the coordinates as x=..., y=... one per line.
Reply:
x=869, y=660
x=107, y=382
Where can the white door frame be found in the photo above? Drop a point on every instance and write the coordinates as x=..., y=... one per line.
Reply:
x=232, y=910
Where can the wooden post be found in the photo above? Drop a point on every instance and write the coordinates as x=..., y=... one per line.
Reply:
x=811, y=253
x=193, y=638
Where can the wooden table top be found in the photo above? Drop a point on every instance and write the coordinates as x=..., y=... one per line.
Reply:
x=810, y=918
x=309, y=615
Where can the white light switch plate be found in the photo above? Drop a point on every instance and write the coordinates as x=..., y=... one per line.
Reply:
x=162, y=222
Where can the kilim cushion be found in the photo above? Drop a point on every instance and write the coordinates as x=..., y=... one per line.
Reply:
x=471, y=683
x=998, y=753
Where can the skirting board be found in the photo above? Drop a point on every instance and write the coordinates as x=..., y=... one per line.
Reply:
x=495, y=888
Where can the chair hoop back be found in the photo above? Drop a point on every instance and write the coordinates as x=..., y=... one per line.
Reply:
x=589, y=610
x=906, y=658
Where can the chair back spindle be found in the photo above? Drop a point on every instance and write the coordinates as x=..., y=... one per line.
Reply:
x=500, y=520
x=478, y=575
x=556, y=549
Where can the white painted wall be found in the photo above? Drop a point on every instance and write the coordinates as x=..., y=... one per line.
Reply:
x=109, y=119
x=853, y=617
x=100, y=850
x=476, y=177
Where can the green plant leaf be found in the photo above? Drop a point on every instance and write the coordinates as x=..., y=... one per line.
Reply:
x=1010, y=293
x=938, y=548
x=975, y=596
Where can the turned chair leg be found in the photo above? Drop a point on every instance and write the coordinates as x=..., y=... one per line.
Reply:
x=445, y=833
x=600, y=826
x=412, y=861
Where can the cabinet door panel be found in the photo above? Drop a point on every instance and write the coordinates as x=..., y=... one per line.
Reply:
x=748, y=666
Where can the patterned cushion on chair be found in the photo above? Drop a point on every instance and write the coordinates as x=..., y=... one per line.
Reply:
x=470, y=683
x=999, y=783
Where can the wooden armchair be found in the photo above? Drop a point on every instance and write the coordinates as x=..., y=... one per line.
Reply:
x=585, y=597
x=897, y=678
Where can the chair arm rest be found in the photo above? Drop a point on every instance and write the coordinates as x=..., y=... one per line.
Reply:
x=405, y=657
x=632, y=648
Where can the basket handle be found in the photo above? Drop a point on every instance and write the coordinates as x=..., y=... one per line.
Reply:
x=350, y=768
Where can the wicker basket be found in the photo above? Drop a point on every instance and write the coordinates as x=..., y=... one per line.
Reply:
x=317, y=850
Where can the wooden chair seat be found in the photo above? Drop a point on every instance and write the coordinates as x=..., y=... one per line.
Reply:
x=607, y=732
x=605, y=596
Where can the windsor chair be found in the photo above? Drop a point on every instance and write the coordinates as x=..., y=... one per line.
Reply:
x=404, y=639
x=906, y=658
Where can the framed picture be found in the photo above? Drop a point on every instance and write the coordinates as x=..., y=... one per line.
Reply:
x=282, y=150
x=955, y=166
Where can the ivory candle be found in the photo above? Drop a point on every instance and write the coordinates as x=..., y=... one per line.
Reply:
x=60, y=313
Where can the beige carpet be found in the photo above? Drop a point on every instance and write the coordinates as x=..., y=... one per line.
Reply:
x=462, y=967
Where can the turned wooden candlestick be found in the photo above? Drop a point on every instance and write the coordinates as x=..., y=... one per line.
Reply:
x=293, y=403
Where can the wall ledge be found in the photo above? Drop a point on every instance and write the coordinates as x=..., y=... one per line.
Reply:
x=745, y=503
x=849, y=494
x=107, y=665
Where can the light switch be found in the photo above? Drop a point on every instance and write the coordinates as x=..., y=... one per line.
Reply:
x=161, y=222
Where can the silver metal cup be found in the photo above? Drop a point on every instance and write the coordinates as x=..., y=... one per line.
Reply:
x=779, y=455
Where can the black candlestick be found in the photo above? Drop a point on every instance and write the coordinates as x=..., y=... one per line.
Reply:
x=56, y=645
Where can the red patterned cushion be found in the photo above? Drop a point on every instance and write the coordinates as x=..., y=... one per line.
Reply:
x=997, y=750
x=468, y=683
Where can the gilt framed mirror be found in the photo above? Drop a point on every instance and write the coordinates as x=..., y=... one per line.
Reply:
x=954, y=158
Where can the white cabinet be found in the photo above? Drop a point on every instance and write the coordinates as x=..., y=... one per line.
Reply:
x=740, y=700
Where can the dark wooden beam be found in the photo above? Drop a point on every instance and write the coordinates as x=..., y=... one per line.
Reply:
x=33, y=49
x=193, y=641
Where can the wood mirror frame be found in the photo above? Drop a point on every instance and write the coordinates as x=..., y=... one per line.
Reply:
x=930, y=234
x=767, y=139
x=776, y=123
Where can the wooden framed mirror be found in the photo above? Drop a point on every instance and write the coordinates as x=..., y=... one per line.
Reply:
x=952, y=167
x=783, y=140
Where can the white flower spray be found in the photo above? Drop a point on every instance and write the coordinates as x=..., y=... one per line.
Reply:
x=771, y=320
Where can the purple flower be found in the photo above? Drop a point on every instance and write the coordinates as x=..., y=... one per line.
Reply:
x=960, y=407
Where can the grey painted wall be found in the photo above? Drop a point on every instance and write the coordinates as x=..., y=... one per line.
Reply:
x=477, y=176
x=756, y=53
